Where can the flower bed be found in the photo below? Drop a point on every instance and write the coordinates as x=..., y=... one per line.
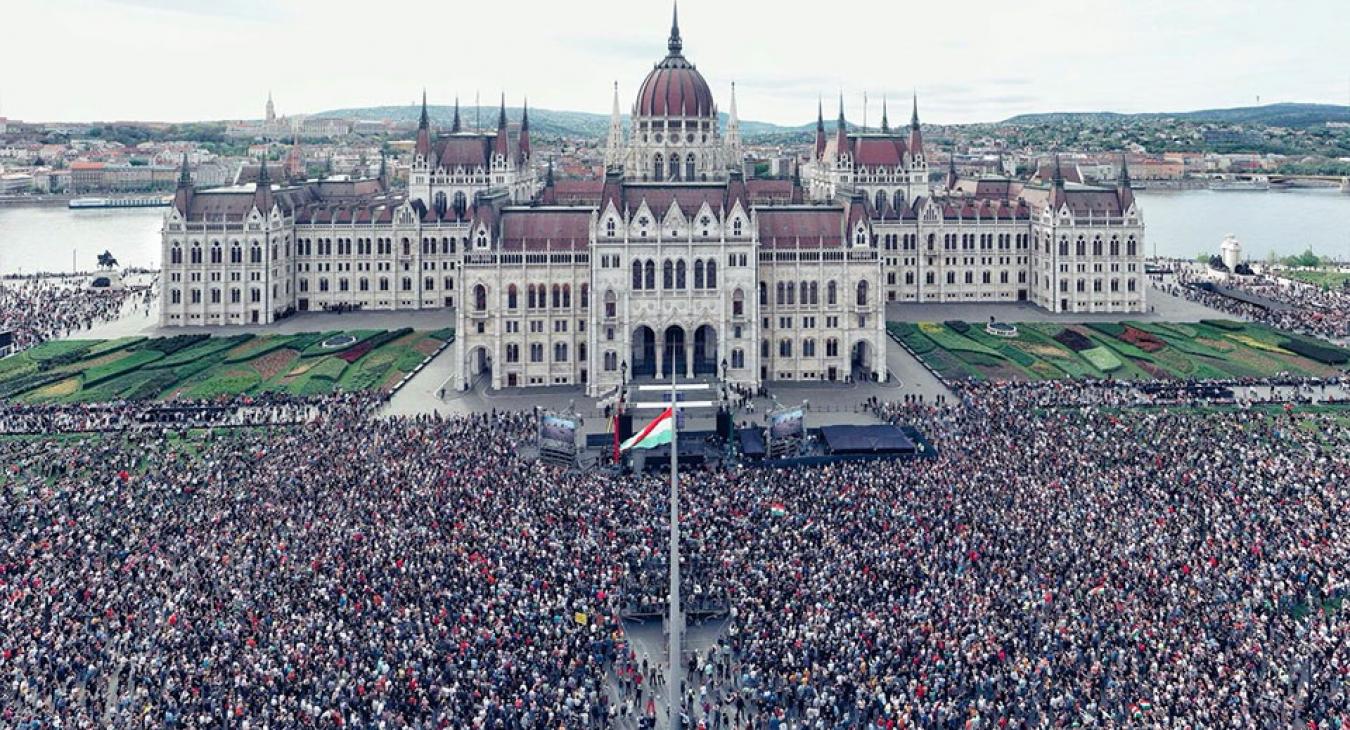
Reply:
x=1142, y=340
x=1074, y=340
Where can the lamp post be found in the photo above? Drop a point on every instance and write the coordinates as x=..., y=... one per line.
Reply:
x=724, y=369
x=623, y=376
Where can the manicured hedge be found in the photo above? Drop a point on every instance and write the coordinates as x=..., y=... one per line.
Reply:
x=957, y=326
x=121, y=366
x=317, y=349
x=202, y=350
x=108, y=346
x=31, y=381
x=1224, y=324
x=1326, y=354
x=166, y=346
x=1113, y=329
x=445, y=334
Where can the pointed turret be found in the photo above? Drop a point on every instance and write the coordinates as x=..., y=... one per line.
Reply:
x=885, y=122
x=820, y=128
x=184, y=176
x=1123, y=189
x=523, y=143
x=1057, y=194
x=455, y=126
x=952, y=178
x=502, y=145
x=262, y=191
x=383, y=176
x=423, y=149
x=733, y=139
x=614, y=143
x=675, y=45
x=840, y=131
x=182, y=197
x=548, y=196
x=915, y=135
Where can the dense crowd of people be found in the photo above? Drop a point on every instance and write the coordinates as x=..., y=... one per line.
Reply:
x=1312, y=310
x=39, y=309
x=1049, y=567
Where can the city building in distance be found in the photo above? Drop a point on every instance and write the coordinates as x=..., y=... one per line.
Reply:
x=674, y=261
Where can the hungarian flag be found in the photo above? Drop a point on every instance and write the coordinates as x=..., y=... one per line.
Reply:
x=654, y=434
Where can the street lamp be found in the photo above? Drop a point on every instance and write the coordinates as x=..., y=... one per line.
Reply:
x=623, y=374
x=724, y=369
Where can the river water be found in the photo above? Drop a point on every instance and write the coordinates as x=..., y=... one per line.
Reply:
x=1180, y=223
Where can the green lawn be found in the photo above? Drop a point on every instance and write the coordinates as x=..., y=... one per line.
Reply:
x=1323, y=278
x=196, y=366
x=1121, y=350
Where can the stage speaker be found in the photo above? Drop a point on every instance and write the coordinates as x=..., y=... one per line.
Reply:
x=625, y=426
x=724, y=424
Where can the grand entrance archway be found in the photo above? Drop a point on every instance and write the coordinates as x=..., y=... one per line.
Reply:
x=674, y=357
x=642, y=359
x=479, y=364
x=861, y=361
x=705, y=350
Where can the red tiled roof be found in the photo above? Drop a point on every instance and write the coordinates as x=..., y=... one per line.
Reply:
x=545, y=229
x=801, y=227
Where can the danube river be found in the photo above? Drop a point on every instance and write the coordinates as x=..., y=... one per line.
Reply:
x=1181, y=223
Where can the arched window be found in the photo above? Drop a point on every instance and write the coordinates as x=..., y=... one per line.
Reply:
x=439, y=203
x=831, y=347
x=763, y=294
x=780, y=297
x=881, y=200
x=1131, y=247
x=1096, y=247
x=698, y=273
x=567, y=296
x=176, y=255
x=862, y=293
x=711, y=281
x=668, y=275
x=804, y=293
x=637, y=274
x=560, y=352
x=738, y=303
x=815, y=292
x=530, y=295
x=831, y=293
x=511, y=297
x=1063, y=247
x=1080, y=247
x=679, y=274
x=736, y=227
x=196, y=253
x=585, y=296
x=1115, y=246
x=611, y=305
x=609, y=228
x=658, y=166
x=215, y=253
x=461, y=202
x=650, y=278
x=480, y=298
x=236, y=254
x=689, y=167
x=899, y=200
x=738, y=358
x=175, y=296
x=255, y=254
x=675, y=167
x=557, y=296
x=808, y=347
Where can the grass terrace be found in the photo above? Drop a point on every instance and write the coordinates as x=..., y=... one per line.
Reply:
x=1210, y=349
x=192, y=366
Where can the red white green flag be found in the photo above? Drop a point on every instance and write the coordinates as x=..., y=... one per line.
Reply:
x=654, y=434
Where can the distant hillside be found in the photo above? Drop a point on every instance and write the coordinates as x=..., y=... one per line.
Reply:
x=547, y=122
x=1270, y=115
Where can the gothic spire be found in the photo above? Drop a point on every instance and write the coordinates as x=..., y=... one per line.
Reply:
x=885, y=123
x=675, y=45
x=840, y=123
x=184, y=176
x=501, y=116
x=455, y=126
x=614, y=144
x=1124, y=173
x=425, y=121
x=914, y=118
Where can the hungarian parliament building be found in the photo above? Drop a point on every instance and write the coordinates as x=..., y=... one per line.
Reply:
x=674, y=263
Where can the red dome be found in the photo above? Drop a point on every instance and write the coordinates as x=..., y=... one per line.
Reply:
x=675, y=88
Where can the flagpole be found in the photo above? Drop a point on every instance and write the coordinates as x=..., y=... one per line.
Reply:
x=674, y=674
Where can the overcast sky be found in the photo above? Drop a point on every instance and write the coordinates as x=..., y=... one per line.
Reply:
x=176, y=60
